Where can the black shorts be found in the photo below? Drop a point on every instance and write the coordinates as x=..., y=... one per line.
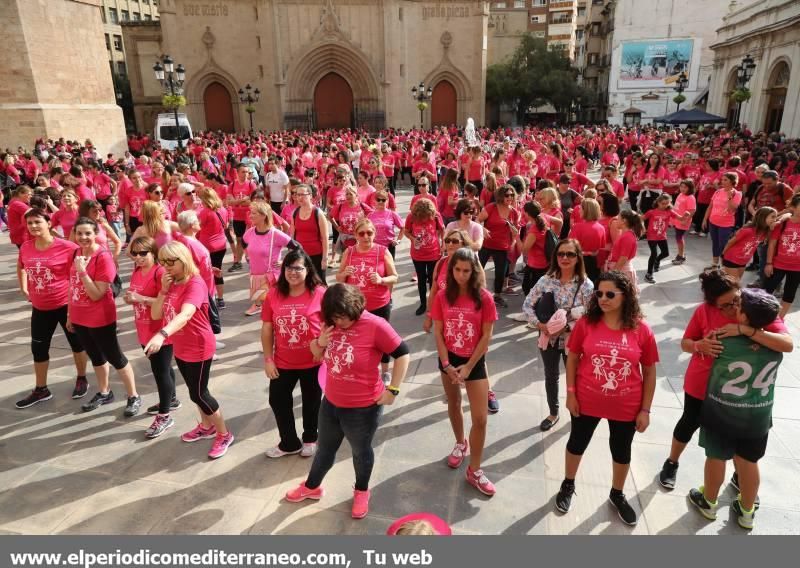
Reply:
x=720, y=447
x=239, y=227
x=478, y=371
x=728, y=264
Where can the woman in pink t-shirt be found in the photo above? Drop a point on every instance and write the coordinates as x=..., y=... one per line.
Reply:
x=131, y=200
x=591, y=235
x=719, y=218
x=43, y=276
x=743, y=244
x=449, y=194
x=214, y=221
x=67, y=214
x=685, y=207
x=352, y=342
x=141, y=294
x=92, y=315
x=386, y=222
x=423, y=227
x=624, y=250
x=464, y=314
x=611, y=374
x=17, y=207
x=182, y=304
x=783, y=257
x=501, y=223
x=291, y=319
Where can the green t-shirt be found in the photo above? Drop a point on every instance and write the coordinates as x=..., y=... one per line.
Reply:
x=740, y=392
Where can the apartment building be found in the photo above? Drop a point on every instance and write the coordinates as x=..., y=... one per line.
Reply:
x=594, y=33
x=115, y=12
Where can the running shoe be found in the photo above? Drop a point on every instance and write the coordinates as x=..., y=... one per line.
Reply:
x=735, y=483
x=81, y=388
x=360, y=504
x=309, y=449
x=199, y=433
x=161, y=423
x=679, y=260
x=520, y=317
x=707, y=508
x=692, y=232
x=173, y=406
x=702, y=235
x=564, y=496
x=624, y=510
x=37, y=395
x=220, y=446
x=668, y=475
x=235, y=266
x=649, y=278
x=421, y=310
x=133, y=406
x=456, y=457
x=480, y=482
x=745, y=518
x=500, y=302
x=301, y=493
x=221, y=304
x=276, y=452
x=253, y=310
x=97, y=401
x=494, y=404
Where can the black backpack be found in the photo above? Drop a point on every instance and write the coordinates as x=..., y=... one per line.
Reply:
x=550, y=244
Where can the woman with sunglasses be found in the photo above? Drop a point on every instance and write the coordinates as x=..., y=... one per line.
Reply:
x=352, y=343
x=141, y=294
x=424, y=227
x=214, y=219
x=386, y=221
x=501, y=223
x=714, y=319
x=571, y=291
x=293, y=308
x=182, y=304
x=187, y=198
x=465, y=212
x=345, y=216
x=611, y=374
x=92, y=316
x=370, y=267
x=422, y=191
x=464, y=314
x=43, y=274
x=309, y=227
x=381, y=184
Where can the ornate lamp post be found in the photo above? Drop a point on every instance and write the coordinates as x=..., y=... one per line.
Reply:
x=419, y=94
x=680, y=86
x=248, y=96
x=744, y=72
x=171, y=78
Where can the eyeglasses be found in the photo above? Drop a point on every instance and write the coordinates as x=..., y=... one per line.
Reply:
x=452, y=241
x=141, y=253
x=302, y=194
x=736, y=302
x=295, y=269
x=380, y=200
x=609, y=295
x=567, y=254
x=366, y=233
x=168, y=261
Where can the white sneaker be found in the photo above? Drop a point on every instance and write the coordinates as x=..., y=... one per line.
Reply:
x=220, y=345
x=520, y=317
x=276, y=452
x=308, y=450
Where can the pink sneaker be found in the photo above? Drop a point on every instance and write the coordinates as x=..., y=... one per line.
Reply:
x=456, y=457
x=301, y=493
x=199, y=433
x=221, y=444
x=360, y=503
x=480, y=482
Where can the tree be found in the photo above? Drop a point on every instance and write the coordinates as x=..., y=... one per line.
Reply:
x=533, y=76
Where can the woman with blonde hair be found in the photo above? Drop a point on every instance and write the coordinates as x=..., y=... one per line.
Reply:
x=154, y=225
x=182, y=304
x=551, y=208
x=213, y=217
x=424, y=228
x=67, y=214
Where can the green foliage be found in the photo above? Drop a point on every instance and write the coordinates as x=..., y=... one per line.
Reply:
x=422, y=106
x=250, y=109
x=678, y=99
x=741, y=95
x=172, y=102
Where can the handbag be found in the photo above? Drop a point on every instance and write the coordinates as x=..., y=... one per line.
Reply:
x=546, y=305
x=213, y=316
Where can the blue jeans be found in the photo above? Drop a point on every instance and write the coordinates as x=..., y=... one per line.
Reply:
x=358, y=425
x=719, y=238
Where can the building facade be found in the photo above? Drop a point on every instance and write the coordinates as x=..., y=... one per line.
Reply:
x=115, y=12
x=768, y=31
x=317, y=63
x=593, y=57
x=54, y=87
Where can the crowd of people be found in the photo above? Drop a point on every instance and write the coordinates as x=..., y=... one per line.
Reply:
x=290, y=206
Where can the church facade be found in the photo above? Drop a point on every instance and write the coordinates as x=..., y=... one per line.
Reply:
x=317, y=63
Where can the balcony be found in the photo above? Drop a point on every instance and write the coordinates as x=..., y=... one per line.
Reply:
x=561, y=6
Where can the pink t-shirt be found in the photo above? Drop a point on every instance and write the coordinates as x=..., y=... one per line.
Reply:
x=376, y=295
x=683, y=203
x=385, y=222
x=237, y=191
x=148, y=284
x=425, y=241
x=296, y=321
x=47, y=272
x=353, y=358
x=659, y=222
x=742, y=250
x=348, y=215
x=609, y=379
x=82, y=309
x=264, y=250
x=707, y=318
x=720, y=215
x=626, y=246
x=462, y=321
x=590, y=234
x=212, y=230
x=64, y=218
x=195, y=341
x=133, y=199
x=201, y=258
x=787, y=249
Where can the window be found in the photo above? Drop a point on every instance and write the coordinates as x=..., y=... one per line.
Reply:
x=538, y=3
x=137, y=16
x=579, y=35
x=121, y=68
x=112, y=15
x=125, y=16
x=103, y=15
x=539, y=34
x=108, y=42
x=593, y=57
x=147, y=17
x=118, y=42
x=596, y=28
x=519, y=3
x=535, y=19
x=581, y=12
x=500, y=5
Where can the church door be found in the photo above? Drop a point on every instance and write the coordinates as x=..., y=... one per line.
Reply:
x=444, y=109
x=333, y=102
x=218, y=107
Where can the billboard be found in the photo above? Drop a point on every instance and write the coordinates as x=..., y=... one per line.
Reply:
x=653, y=63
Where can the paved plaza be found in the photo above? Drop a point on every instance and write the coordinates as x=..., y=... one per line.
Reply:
x=66, y=472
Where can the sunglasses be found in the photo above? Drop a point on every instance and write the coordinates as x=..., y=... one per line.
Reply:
x=190, y=192
x=380, y=200
x=168, y=261
x=509, y=195
x=567, y=254
x=141, y=253
x=157, y=192
x=424, y=185
x=366, y=233
x=609, y=295
x=295, y=269
x=452, y=241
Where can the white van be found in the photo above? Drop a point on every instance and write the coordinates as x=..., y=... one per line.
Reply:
x=167, y=134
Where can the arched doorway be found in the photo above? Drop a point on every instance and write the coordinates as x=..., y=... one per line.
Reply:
x=777, y=87
x=333, y=103
x=218, y=107
x=444, y=107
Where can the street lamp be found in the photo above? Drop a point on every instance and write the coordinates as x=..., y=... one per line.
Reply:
x=171, y=78
x=680, y=86
x=744, y=72
x=419, y=94
x=248, y=96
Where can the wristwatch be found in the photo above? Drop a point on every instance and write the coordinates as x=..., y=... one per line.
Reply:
x=163, y=333
x=394, y=390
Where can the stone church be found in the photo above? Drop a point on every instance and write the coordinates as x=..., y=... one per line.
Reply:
x=317, y=63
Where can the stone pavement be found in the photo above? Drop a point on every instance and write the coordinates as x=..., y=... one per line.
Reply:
x=66, y=472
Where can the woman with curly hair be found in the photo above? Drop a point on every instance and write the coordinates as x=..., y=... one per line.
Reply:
x=611, y=374
x=424, y=229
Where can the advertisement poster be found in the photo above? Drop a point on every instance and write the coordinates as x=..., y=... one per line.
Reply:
x=654, y=63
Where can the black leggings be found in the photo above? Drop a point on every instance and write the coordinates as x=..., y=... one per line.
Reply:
x=789, y=287
x=590, y=264
x=216, y=262
x=655, y=257
x=424, y=270
x=620, y=440
x=689, y=421
x=500, y=258
x=316, y=260
x=102, y=345
x=195, y=375
x=161, y=366
x=281, y=403
x=43, y=326
x=530, y=277
x=384, y=312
